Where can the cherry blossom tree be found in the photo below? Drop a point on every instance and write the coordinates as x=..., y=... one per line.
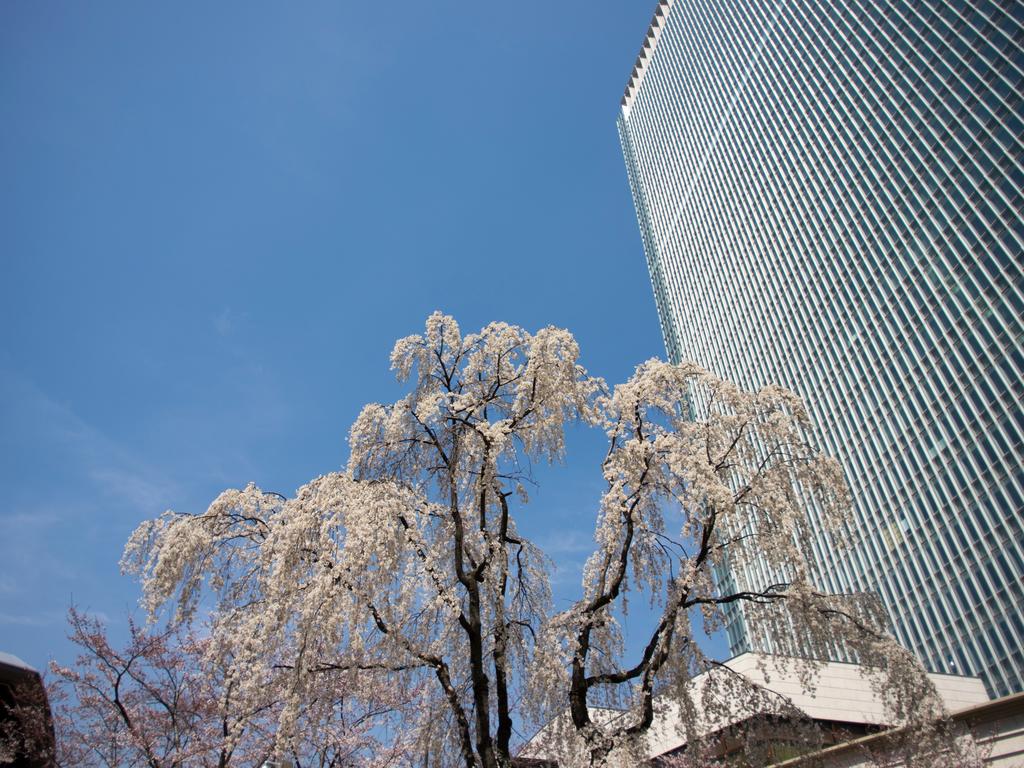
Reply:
x=168, y=699
x=408, y=570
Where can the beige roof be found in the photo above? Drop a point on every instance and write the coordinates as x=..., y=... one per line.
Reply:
x=841, y=694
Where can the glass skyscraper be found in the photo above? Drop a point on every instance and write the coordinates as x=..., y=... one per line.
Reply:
x=831, y=197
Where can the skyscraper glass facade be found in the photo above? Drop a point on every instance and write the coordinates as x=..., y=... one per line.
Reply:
x=831, y=197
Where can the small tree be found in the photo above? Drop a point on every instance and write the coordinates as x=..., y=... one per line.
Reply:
x=408, y=569
x=168, y=699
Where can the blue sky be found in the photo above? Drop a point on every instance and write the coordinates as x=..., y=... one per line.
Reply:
x=216, y=218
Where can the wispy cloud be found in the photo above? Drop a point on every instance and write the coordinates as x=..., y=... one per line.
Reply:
x=133, y=487
x=80, y=449
x=75, y=494
x=568, y=550
x=42, y=619
x=24, y=519
x=567, y=543
x=224, y=322
x=566, y=580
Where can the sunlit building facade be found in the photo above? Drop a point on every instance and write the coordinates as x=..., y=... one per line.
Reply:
x=831, y=197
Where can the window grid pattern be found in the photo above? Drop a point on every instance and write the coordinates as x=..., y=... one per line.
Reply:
x=831, y=197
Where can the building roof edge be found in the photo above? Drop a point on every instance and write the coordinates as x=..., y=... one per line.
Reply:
x=646, y=51
x=995, y=708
